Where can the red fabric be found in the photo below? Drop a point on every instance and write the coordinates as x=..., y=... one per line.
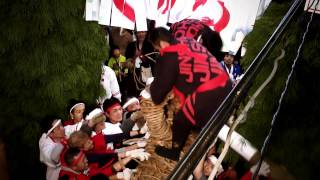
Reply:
x=125, y=9
x=161, y=2
x=188, y=110
x=68, y=122
x=93, y=170
x=73, y=176
x=199, y=74
x=99, y=144
x=114, y=105
x=62, y=161
x=78, y=158
x=105, y=170
x=248, y=176
x=188, y=28
x=224, y=20
x=197, y=3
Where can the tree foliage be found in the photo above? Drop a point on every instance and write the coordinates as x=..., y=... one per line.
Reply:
x=48, y=55
x=294, y=140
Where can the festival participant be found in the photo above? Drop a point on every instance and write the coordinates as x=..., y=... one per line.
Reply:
x=233, y=70
x=132, y=114
x=97, y=122
x=77, y=167
x=196, y=78
x=198, y=30
x=103, y=158
x=114, y=124
x=76, y=113
x=116, y=63
x=51, y=145
x=110, y=84
x=140, y=66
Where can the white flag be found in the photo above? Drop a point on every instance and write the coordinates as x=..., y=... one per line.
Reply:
x=122, y=14
x=105, y=12
x=140, y=11
x=92, y=10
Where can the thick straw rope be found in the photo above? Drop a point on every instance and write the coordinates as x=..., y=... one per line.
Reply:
x=159, y=124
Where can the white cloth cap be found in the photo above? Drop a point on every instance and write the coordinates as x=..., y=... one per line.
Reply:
x=130, y=101
x=54, y=126
x=94, y=113
x=77, y=104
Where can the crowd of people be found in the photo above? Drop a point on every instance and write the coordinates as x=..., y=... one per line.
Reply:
x=186, y=60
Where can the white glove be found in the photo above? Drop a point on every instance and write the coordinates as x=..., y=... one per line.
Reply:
x=139, y=154
x=125, y=174
x=264, y=169
x=141, y=144
x=135, y=127
x=144, y=129
x=147, y=135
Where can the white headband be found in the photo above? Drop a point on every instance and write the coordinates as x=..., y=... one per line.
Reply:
x=94, y=113
x=132, y=100
x=75, y=106
x=54, y=126
x=214, y=160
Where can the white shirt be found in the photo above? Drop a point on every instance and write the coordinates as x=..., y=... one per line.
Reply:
x=69, y=129
x=229, y=71
x=50, y=155
x=112, y=128
x=110, y=83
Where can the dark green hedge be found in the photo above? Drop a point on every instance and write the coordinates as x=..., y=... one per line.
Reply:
x=294, y=143
x=48, y=55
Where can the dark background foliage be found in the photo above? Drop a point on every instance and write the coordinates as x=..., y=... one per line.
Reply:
x=294, y=143
x=48, y=55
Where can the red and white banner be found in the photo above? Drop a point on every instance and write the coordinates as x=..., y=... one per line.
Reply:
x=92, y=10
x=123, y=14
x=140, y=11
x=105, y=12
x=310, y=6
x=232, y=18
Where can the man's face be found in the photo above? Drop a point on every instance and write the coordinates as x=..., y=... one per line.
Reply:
x=141, y=35
x=133, y=107
x=115, y=114
x=77, y=113
x=100, y=126
x=58, y=132
x=116, y=53
x=228, y=59
x=207, y=167
x=87, y=144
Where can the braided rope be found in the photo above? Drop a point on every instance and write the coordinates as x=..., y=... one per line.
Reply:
x=158, y=125
x=137, y=80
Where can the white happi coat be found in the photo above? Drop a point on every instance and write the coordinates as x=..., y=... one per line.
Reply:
x=50, y=155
